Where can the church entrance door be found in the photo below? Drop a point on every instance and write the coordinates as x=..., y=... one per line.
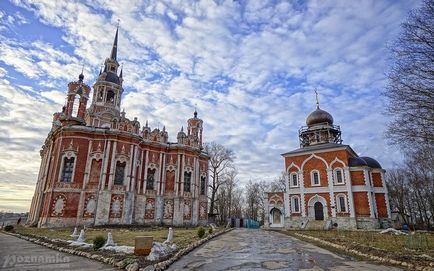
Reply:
x=319, y=211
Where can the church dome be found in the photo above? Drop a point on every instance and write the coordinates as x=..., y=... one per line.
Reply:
x=319, y=116
x=372, y=163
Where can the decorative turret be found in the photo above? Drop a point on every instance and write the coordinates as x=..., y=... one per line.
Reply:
x=195, y=128
x=107, y=91
x=319, y=129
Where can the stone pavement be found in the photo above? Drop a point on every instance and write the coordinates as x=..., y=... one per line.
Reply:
x=247, y=249
x=18, y=254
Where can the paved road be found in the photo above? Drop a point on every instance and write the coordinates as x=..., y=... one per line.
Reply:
x=18, y=254
x=244, y=249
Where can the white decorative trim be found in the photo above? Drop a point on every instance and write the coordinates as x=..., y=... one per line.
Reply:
x=293, y=198
x=335, y=176
x=312, y=179
x=311, y=204
x=338, y=203
x=291, y=183
x=292, y=165
x=314, y=156
x=336, y=160
x=67, y=154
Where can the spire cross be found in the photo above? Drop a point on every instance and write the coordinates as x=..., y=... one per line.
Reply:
x=317, y=100
x=119, y=20
x=82, y=68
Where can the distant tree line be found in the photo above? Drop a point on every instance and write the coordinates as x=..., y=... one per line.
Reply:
x=410, y=103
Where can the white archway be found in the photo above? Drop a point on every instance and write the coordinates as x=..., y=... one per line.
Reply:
x=311, y=206
x=276, y=218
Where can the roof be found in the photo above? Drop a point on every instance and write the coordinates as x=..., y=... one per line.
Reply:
x=112, y=77
x=320, y=147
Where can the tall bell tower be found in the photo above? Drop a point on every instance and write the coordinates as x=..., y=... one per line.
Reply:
x=107, y=91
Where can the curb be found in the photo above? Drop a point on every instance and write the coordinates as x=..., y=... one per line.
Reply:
x=122, y=264
x=365, y=255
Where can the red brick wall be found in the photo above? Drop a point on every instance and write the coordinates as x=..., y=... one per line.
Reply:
x=361, y=203
x=376, y=179
x=357, y=177
x=381, y=205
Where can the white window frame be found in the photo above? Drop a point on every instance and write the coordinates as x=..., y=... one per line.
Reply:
x=293, y=204
x=335, y=175
x=338, y=203
x=68, y=154
x=312, y=179
x=291, y=183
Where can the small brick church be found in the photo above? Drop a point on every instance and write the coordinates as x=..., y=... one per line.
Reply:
x=327, y=184
x=99, y=167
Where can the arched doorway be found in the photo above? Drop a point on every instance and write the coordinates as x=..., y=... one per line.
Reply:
x=276, y=218
x=319, y=211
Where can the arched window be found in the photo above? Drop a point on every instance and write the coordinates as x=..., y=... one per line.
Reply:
x=68, y=169
x=339, y=176
x=314, y=178
x=293, y=179
x=295, y=204
x=187, y=181
x=341, y=201
x=150, y=179
x=120, y=173
x=110, y=97
x=75, y=106
x=202, y=185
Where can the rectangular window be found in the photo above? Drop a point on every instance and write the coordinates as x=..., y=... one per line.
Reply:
x=187, y=181
x=296, y=205
x=202, y=185
x=150, y=179
x=342, y=204
x=339, y=178
x=315, y=178
x=120, y=173
x=68, y=168
x=294, y=180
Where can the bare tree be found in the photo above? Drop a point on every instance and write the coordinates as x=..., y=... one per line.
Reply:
x=221, y=160
x=410, y=91
x=278, y=185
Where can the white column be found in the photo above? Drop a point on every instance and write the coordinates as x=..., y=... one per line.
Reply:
x=177, y=174
x=105, y=165
x=112, y=167
x=331, y=191
x=302, y=203
x=163, y=177
x=160, y=172
x=182, y=175
x=285, y=197
x=140, y=177
x=145, y=178
x=348, y=184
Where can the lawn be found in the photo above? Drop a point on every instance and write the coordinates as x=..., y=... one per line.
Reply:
x=182, y=237
x=417, y=244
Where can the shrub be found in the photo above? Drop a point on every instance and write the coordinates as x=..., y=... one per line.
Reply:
x=98, y=242
x=9, y=228
x=201, y=232
x=210, y=230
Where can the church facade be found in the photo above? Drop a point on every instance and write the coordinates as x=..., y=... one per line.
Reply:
x=327, y=184
x=99, y=167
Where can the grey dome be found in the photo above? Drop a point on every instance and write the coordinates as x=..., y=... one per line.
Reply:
x=363, y=162
x=319, y=116
x=372, y=163
x=357, y=162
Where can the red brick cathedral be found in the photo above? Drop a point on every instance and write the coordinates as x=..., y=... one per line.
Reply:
x=99, y=167
x=328, y=184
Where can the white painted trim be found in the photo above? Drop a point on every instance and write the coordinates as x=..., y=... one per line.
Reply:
x=337, y=160
x=292, y=165
x=291, y=184
x=312, y=179
x=311, y=204
x=71, y=154
x=338, y=203
x=335, y=176
x=293, y=198
x=313, y=156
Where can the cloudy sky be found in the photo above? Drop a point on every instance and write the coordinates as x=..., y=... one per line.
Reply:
x=249, y=67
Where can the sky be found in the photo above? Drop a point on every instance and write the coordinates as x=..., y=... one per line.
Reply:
x=249, y=67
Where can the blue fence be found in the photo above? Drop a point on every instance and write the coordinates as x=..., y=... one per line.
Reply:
x=243, y=223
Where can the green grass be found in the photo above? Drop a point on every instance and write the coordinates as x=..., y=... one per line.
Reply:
x=417, y=244
x=182, y=237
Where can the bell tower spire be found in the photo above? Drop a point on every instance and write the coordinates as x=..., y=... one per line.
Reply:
x=114, y=52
